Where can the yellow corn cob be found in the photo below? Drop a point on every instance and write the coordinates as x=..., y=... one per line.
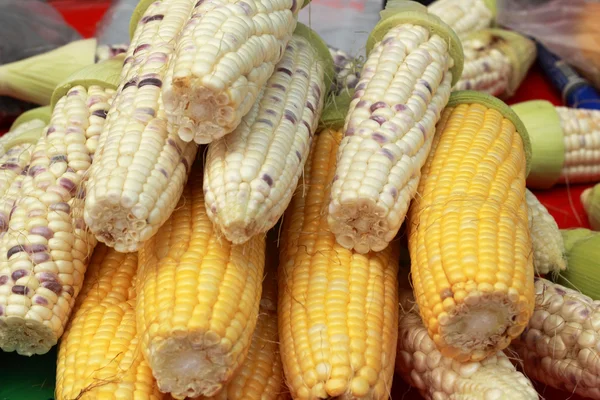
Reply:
x=496, y=62
x=261, y=375
x=198, y=299
x=590, y=198
x=565, y=142
x=140, y=171
x=99, y=357
x=465, y=16
x=44, y=253
x=251, y=174
x=403, y=88
x=468, y=232
x=337, y=308
x=225, y=54
x=547, y=241
x=561, y=345
x=436, y=377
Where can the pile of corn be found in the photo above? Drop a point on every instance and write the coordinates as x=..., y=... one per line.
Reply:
x=140, y=210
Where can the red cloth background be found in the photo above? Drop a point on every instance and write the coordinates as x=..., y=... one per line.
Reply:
x=562, y=202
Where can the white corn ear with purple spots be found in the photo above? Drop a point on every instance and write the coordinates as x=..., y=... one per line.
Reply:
x=140, y=170
x=225, y=54
x=463, y=16
x=388, y=132
x=251, y=174
x=347, y=70
x=44, y=252
x=561, y=345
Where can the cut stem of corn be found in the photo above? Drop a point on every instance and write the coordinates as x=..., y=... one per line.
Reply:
x=198, y=299
x=436, y=377
x=565, y=142
x=548, y=246
x=99, y=356
x=468, y=230
x=45, y=251
x=496, y=62
x=252, y=173
x=224, y=56
x=465, y=16
x=583, y=259
x=403, y=88
x=590, y=198
x=337, y=308
x=34, y=79
x=560, y=346
x=140, y=170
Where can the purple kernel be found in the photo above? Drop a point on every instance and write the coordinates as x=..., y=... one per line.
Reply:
x=361, y=104
x=357, y=94
x=130, y=83
x=18, y=274
x=310, y=107
x=150, y=82
x=20, y=289
x=387, y=152
x=164, y=172
x=39, y=258
x=14, y=250
x=290, y=116
x=426, y=84
x=284, y=70
x=140, y=48
x=47, y=277
x=270, y=112
x=3, y=279
x=50, y=130
x=265, y=121
x=421, y=128
x=157, y=17
x=12, y=210
x=317, y=90
x=361, y=86
x=100, y=113
x=302, y=72
x=307, y=127
x=276, y=99
x=278, y=86
x=64, y=207
x=349, y=132
x=69, y=290
x=268, y=179
x=73, y=93
x=40, y=300
x=67, y=184
x=9, y=166
x=388, y=40
x=400, y=107
x=127, y=60
x=294, y=4
x=298, y=155
x=198, y=4
x=246, y=7
x=378, y=118
x=61, y=158
x=378, y=105
x=171, y=142
x=53, y=286
x=585, y=313
x=394, y=192
x=146, y=110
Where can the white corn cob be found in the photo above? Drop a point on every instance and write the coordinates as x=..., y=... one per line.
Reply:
x=44, y=253
x=464, y=16
x=486, y=69
x=581, y=129
x=139, y=173
x=225, y=54
x=436, y=377
x=548, y=245
x=251, y=174
x=404, y=85
x=347, y=70
x=561, y=345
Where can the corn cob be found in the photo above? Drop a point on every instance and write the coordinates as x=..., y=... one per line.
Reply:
x=224, y=56
x=583, y=262
x=44, y=253
x=404, y=86
x=99, y=356
x=468, y=231
x=565, y=141
x=140, y=171
x=560, y=347
x=198, y=299
x=590, y=198
x=347, y=70
x=261, y=375
x=496, y=62
x=337, y=308
x=547, y=241
x=251, y=174
x=422, y=365
x=465, y=16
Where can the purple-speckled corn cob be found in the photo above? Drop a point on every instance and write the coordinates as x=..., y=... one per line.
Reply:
x=347, y=70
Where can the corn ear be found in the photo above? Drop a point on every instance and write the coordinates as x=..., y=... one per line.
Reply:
x=590, y=198
x=35, y=78
x=465, y=16
x=583, y=262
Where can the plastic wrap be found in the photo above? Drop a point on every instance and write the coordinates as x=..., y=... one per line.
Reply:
x=569, y=29
x=113, y=28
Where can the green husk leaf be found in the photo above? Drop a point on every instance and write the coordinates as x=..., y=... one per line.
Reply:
x=138, y=13
x=35, y=78
x=322, y=52
x=105, y=74
x=546, y=135
x=590, y=198
x=399, y=12
x=335, y=111
x=493, y=7
x=41, y=113
x=31, y=136
x=572, y=236
x=306, y=2
x=583, y=260
x=470, y=97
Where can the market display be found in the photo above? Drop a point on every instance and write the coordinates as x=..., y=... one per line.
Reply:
x=228, y=208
